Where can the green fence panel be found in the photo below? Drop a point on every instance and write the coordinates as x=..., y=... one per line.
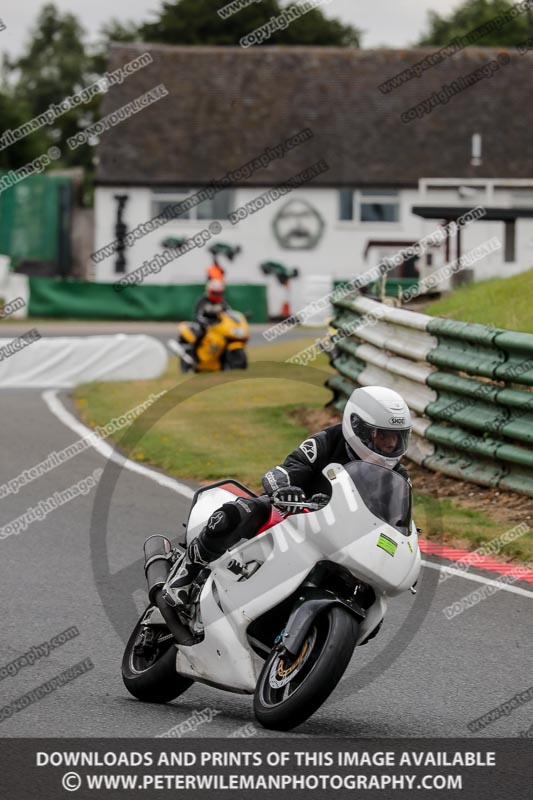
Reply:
x=516, y=398
x=518, y=480
x=465, y=411
x=348, y=367
x=452, y=354
x=465, y=346
x=470, y=332
x=482, y=350
x=341, y=389
x=477, y=470
x=485, y=446
x=30, y=224
x=350, y=347
x=468, y=387
x=346, y=321
x=458, y=439
x=465, y=468
x=518, y=366
x=482, y=430
x=519, y=426
x=87, y=300
x=510, y=414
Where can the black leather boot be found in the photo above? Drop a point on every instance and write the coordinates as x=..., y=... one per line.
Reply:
x=184, y=572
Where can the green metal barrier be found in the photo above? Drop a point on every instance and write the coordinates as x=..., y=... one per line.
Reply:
x=35, y=220
x=468, y=383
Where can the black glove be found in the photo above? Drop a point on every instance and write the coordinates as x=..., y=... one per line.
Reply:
x=288, y=494
x=320, y=499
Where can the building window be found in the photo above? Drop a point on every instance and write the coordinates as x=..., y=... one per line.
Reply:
x=373, y=206
x=217, y=207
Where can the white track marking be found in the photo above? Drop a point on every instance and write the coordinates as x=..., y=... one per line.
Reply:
x=58, y=410
x=469, y=576
x=109, y=453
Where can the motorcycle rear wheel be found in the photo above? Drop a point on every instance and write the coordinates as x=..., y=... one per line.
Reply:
x=289, y=693
x=236, y=359
x=153, y=679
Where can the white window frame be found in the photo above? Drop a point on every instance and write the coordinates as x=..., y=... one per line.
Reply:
x=358, y=199
x=376, y=196
x=178, y=195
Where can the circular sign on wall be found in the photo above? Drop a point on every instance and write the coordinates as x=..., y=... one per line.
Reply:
x=298, y=226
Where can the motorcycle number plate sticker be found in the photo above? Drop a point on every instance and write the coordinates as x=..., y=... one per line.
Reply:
x=387, y=544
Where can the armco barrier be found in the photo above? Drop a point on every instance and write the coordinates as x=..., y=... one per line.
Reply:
x=68, y=361
x=50, y=297
x=467, y=385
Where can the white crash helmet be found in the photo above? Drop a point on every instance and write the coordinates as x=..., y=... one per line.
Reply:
x=371, y=416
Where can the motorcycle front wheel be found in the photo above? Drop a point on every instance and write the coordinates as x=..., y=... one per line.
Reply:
x=289, y=692
x=149, y=673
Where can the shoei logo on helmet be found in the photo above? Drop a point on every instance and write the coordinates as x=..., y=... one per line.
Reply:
x=397, y=421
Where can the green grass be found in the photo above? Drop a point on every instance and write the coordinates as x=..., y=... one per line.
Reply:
x=467, y=527
x=239, y=429
x=502, y=302
x=211, y=430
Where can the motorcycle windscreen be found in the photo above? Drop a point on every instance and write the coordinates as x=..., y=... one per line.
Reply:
x=385, y=493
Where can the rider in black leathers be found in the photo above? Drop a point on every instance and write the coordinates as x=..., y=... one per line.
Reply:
x=299, y=477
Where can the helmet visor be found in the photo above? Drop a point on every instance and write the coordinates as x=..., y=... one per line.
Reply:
x=388, y=442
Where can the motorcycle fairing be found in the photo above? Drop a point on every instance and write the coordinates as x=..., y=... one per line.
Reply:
x=286, y=553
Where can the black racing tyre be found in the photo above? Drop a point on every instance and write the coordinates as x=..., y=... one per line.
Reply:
x=288, y=694
x=184, y=366
x=153, y=679
x=236, y=359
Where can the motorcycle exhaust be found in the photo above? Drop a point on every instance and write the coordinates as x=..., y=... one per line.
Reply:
x=156, y=563
x=157, y=568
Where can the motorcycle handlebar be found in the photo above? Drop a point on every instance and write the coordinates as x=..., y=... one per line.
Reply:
x=306, y=504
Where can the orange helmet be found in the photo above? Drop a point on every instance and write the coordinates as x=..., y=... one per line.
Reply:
x=215, y=273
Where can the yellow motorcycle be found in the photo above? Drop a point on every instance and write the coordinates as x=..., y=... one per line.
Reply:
x=214, y=347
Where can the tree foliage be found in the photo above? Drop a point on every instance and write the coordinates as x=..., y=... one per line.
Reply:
x=196, y=22
x=471, y=15
x=21, y=152
x=54, y=65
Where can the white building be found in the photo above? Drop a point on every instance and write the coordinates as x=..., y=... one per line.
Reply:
x=379, y=183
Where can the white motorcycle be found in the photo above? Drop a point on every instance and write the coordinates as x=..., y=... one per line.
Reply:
x=278, y=615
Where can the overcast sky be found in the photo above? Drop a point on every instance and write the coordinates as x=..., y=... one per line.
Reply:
x=396, y=23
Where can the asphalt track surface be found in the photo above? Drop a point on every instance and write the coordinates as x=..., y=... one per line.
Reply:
x=159, y=330
x=423, y=675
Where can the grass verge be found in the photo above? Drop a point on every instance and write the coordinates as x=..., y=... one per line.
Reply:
x=468, y=528
x=501, y=302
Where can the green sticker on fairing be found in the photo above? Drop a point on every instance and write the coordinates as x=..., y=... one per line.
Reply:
x=387, y=544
